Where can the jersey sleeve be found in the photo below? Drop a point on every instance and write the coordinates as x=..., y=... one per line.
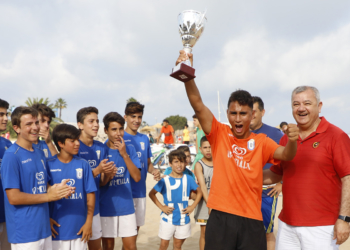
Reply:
x=10, y=175
x=278, y=168
x=270, y=147
x=133, y=156
x=341, y=154
x=171, y=129
x=168, y=171
x=160, y=186
x=89, y=181
x=193, y=185
x=162, y=130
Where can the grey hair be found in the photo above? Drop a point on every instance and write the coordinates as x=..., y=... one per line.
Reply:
x=301, y=89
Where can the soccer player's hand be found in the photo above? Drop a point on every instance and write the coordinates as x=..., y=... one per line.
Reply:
x=167, y=210
x=292, y=131
x=86, y=231
x=341, y=231
x=275, y=190
x=156, y=174
x=107, y=167
x=183, y=57
x=53, y=231
x=59, y=191
x=45, y=134
x=188, y=210
x=120, y=145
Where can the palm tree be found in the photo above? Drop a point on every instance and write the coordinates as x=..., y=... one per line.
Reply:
x=60, y=104
x=29, y=102
x=131, y=99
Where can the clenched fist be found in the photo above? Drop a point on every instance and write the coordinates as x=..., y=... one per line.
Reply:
x=292, y=131
x=183, y=57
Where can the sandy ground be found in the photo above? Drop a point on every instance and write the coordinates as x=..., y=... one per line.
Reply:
x=148, y=236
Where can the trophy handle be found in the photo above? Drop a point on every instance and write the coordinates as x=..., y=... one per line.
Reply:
x=203, y=15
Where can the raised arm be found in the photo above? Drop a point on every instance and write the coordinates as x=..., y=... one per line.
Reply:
x=204, y=115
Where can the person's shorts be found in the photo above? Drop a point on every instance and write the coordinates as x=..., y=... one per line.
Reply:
x=268, y=210
x=168, y=230
x=96, y=227
x=140, y=211
x=42, y=244
x=201, y=222
x=75, y=244
x=119, y=226
x=187, y=142
x=229, y=231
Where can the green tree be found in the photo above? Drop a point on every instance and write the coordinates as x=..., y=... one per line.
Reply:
x=30, y=101
x=9, y=128
x=131, y=99
x=178, y=122
x=60, y=104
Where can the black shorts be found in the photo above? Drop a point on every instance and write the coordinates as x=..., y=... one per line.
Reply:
x=229, y=232
x=186, y=142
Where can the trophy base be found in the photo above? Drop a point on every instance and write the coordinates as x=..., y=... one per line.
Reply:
x=183, y=73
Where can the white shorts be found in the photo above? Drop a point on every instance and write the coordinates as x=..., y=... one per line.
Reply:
x=167, y=231
x=76, y=244
x=43, y=244
x=119, y=226
x=305, y=238
x=96, y=227
x=140, y=211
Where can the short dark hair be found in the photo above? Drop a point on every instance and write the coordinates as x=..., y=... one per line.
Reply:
x=19, y=112
x=133, y=108
x=82, y=113
x=184, y=149
x=165, y=120
x=4, y=104
x=113, y=117
x=194, y=116
x=282, y=124
x=257, y=99
x=44, y=110
x=242, y=97
x=204, y=139
x=186, y=126
x=176, y=154
x=64, y=131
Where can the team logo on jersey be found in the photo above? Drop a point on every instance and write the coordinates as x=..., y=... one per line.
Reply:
x=238, y=151
x=79, y=173
x=251, y=144
x=92, y=163
x=34, y=190
x=98, y=152
x=39, y=176
x=120, y=170
x=70, y=183
x=46, y=153
x=142, y=145
x=229, y=154
x=139, y=154
x=316, y=144
x=42, y=161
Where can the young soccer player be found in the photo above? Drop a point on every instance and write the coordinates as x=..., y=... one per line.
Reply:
x=26, y=188
x=4, y=145
x=187, y=161
x=95, y=153
x=133, y=117
x=204, y=173
x=45, y=117
x=71, y=218
x=186, y=135
x=116, y=201
x=175, y=188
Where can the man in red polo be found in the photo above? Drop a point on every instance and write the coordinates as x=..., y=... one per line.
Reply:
x=316, y=183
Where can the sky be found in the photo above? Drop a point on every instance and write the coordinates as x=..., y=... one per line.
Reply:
x=100, y=53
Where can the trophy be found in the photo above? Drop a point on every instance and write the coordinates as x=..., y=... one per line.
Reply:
x=191, y=26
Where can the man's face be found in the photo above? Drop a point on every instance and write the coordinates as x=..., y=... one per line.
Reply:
x=195, y=122
x=44, y=122
x=71, y=146
x=3, y=119
x=165, y=124
x=90, y=125
x=240, y=117
x=115, y=132
x=206, y=150
x=133, y=121
x=257, y=118
x=29, y=128
x=305, y=108
x=177, y=166
x=188, y=158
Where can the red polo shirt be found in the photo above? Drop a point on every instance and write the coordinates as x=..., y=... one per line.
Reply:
x=312, y=180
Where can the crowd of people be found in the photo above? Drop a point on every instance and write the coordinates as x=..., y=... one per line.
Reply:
x=69, y=191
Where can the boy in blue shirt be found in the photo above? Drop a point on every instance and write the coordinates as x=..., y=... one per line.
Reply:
x=176, y=189
x=187, y=162
x=118, y=217
x=25, y=184
x=71, y=218
x=95, y=153
x=45, y=117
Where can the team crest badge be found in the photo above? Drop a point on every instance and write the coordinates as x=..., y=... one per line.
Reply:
x=316, y=144
x=46, y=153
x=142, y=145
x=98, y=152
x=251, y=144
x=79, y=173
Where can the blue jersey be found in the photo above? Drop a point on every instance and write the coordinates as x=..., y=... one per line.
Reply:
x=176, y=192
x=4, y=145
x=116, y=196
x=276, y=135
x=94, y=155
x=143, y=149
x=70, y=212
x=43, y=146
x=25, y=170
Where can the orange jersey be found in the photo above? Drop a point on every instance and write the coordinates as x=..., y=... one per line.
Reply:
x=236, y=186
x=168, y=132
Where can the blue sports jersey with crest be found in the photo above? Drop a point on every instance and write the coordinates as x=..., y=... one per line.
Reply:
x=176, y=192
x=4, y=145
x=43, y=146
x=143, y=150
x=116, y=196
x=25, y=170
x=70, y=212
x=94, y=155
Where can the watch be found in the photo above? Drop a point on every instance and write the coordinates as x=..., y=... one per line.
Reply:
x=344, y=218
